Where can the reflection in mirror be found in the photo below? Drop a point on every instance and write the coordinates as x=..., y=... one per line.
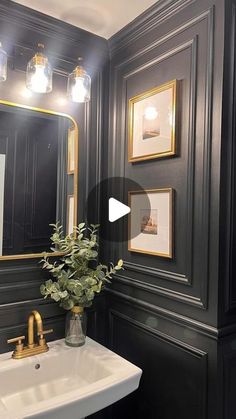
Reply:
x=37, y=178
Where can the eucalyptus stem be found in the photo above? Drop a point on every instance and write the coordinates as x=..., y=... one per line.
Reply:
x=77, y=275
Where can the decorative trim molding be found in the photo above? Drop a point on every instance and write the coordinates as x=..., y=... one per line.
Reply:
x=54, y=320
x=230, y=301
x=192, y=44
x=164, y=292
x=59, y=36
x=18, y=269
x=153, y=17
x=120, y=74
x=163, y=39
x=157, y=273
x=30, y=19
x=202, y=328
x=13, y=287
x=23, y=303
x=154, y=332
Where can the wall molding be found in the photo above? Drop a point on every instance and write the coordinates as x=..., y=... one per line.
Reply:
x=156, y=272
x=163, y=39
x=30, y=19
x=154, y=332
x=230, y=300
x=157, y=290
x=18, y=269
x=152, y=18
x=118, y=130
x=202, y=328
x=192, y=44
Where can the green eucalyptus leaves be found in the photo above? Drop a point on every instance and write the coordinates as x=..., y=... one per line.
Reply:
x=77, y=277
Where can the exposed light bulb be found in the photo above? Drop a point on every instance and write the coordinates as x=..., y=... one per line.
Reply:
x=150, y=113
x=39, y=73
x=39, y=81
x=79, y=85
x=78, y=91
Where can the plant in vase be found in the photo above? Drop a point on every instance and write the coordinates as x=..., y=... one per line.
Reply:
x=78, y=277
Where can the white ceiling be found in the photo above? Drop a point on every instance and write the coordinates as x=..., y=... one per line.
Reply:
x=102, y=17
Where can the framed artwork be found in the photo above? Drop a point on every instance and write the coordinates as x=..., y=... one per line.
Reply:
x=71, y=151
x=152, y=123
x=151, y=228
x=70, y=213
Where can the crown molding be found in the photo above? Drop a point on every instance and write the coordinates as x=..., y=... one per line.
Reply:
x=22, y=26
x=154, y=16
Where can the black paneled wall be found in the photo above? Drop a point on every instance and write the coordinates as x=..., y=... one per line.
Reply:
x=169, y=316
x=175, y=318
x=20, y=31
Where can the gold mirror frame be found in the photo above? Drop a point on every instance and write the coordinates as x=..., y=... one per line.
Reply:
x=50, y=112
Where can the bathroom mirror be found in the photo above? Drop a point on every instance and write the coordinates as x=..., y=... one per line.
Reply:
x=38, y=178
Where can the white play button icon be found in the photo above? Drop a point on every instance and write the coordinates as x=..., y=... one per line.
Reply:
x=117, y=210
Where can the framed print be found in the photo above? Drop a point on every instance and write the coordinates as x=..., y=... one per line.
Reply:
x=150, y=228
x=152, y=123
x=71, y=151
x=70, y=214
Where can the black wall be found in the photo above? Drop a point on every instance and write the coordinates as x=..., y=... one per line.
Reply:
x=20, y=31
x=171, y=317
x=176, y=318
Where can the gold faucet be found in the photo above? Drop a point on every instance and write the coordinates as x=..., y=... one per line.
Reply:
x=32, y=348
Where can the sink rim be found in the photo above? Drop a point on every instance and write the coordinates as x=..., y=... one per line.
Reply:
x=122, y=371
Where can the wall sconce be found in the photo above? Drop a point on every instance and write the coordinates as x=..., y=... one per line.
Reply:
x=79, y=85
x=39, y=73
x=3, y=64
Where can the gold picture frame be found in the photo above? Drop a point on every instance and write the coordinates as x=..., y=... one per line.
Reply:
x=150, y=230
x=152, y=123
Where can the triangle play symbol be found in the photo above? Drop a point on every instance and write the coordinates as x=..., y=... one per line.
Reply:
x=117, y=210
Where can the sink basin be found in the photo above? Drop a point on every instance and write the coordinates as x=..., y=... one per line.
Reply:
x=65, y=382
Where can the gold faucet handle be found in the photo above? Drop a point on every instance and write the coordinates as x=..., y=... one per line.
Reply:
x=19, y=344
x=44, y=332
x=18, y=339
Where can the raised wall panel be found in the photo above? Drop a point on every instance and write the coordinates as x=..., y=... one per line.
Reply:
x=185, y=52
x=164, y=314
x=179, y=58
x=173, y=371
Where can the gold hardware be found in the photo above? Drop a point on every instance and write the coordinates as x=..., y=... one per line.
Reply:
x=45, y=332
x=77, y=309
x=41, y=334
x=19, y=345
x=40, y=59
x=32, y=348
x=18, y=339
x=79, y=71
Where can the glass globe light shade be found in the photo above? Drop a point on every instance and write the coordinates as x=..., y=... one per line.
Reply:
x=79, y=85
x=39, y=73
x=3, y=64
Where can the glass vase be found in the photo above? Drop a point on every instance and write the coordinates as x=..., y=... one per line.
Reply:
x=76, y=325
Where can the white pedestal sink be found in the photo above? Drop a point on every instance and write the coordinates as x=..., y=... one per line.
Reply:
x=64, y=383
